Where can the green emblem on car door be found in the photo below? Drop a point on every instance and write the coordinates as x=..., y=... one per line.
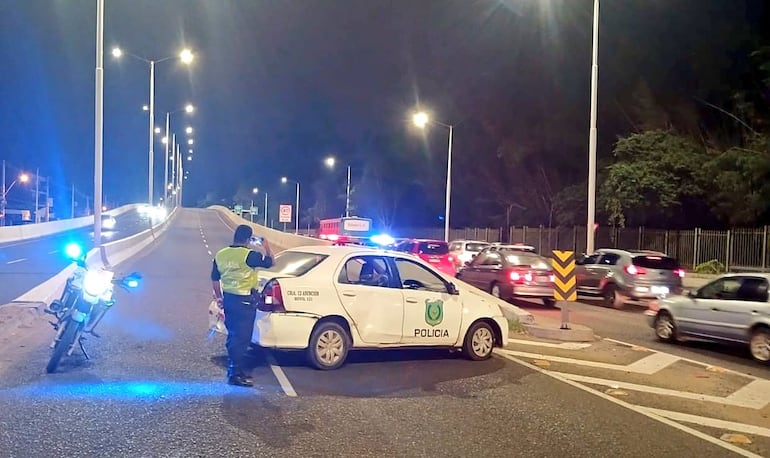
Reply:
x=434, y=312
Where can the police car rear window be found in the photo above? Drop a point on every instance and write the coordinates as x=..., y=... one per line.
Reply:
x=476, y=246
x=295, y=263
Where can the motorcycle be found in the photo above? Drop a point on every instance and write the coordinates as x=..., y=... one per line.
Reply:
x=86, y=298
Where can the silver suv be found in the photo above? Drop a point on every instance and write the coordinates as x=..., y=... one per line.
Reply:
x=464, y=251
x=620, y=276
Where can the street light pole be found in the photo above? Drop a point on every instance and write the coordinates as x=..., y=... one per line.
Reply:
x=165, y=161
x=265, y=209
x=296, y=222
x=3, y=202
x=37, y=195
x=152, y=128
x=590, y=237
x=99, y=123
x=448, y=185
x=347, y=196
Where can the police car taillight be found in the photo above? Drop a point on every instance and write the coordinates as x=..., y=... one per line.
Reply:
x=272, y=298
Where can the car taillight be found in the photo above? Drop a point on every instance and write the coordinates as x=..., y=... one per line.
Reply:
x=272, y=299
x=520, y=277
x=679, y=272
x=515, y=276
x=450, y=258
x=633, y=270
x=552, y=278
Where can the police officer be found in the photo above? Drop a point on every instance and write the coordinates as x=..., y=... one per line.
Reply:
x=234, y=280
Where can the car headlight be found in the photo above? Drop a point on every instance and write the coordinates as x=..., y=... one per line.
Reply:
x=97, y=282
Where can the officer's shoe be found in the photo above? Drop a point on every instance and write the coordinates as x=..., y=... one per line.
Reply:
x=240, y=380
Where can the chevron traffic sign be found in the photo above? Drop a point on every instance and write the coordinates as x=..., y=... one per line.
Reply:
x=564, y=286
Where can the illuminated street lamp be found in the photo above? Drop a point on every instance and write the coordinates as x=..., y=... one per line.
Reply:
x=296, y=210
x=421, y=120
x=189, y=108
x=330, y=161
x=186, y=56
x=190, y=141
x=22, y=178
x=189, y=130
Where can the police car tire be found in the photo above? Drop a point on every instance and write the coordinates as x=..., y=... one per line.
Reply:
x=470, y=353
x=318, y=332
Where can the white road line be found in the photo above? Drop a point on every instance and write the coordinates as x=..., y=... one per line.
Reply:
x=639, y=410
x=757, y=391
x=653, y=363
x=53, y=252
x=658, y=391
x=207, y=245
x=639, y=367
x=210, y=253
x=563, y=345
x=711, y=422
x=281, y=377
x=16, y=261
x=700, y=363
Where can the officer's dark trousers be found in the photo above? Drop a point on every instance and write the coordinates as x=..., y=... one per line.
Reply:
x=239, y=321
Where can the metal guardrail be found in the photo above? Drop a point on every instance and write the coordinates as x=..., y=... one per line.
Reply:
x=737, y=249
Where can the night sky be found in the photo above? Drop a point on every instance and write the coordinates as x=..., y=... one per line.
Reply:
x=279, y=85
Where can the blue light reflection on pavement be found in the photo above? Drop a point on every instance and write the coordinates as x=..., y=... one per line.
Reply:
x=139, y=390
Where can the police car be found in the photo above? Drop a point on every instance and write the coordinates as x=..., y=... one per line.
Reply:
x=329, y=300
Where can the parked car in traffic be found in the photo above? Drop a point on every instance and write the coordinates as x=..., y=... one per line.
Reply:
x=620, y=276
x=434, y=252
x=733, y=308
x=329, y=300
x=514, y=246
x=463, y=251
x=509, y=273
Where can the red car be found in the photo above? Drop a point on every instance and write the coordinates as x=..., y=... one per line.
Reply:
x=434, y=252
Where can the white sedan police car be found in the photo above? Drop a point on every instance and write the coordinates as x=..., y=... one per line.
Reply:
x=328, y=300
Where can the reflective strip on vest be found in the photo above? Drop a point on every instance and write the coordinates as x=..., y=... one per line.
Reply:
x=236, y=276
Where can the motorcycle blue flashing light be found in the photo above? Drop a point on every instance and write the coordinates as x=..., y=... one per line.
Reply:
x=383, y=239
x=132, y=283
x=74, y=251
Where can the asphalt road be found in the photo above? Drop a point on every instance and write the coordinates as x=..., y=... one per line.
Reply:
x=26, y=264
x=155, y=387
x=630, y=325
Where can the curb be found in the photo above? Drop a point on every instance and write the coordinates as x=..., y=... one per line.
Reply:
x=576, y=333
x=516, y=314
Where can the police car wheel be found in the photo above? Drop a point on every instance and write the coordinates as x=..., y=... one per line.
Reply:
x=329, y=344
x=479, y=342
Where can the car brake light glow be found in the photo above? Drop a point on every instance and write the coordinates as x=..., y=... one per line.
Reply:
x=633, y=270
x=528, y=277
x=552, y=278
x=515, y=276
x=679, y=272
x=273, y=298
x=333, y=237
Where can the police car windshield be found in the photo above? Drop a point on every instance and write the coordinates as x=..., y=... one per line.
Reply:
x=295, y=263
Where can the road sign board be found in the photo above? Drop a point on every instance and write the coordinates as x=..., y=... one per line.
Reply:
x=254, y=210
x=284, y=214
x=564, y=285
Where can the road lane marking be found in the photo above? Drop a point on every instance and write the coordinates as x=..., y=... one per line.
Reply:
x=659, y=391
x=653, y=363
x=633, y=408
x=757, y=391
x=711, y=422
x=281, y=377
x=563, y=345
x=210, y=253
x=699, y=363
x=16, y=261
x=53, y=252
x=647, y=365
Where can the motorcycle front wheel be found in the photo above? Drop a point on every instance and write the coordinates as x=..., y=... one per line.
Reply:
x=66, y=340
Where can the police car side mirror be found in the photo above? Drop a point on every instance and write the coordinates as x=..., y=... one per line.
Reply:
x=452, y=289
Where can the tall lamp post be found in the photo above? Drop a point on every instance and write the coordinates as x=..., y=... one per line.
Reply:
x=23, y=178
x=251, y=209
x=296, y=210
x=590, y=228
x=189, y=108
x=421, y=120
x=186, y=56
x=330, y=161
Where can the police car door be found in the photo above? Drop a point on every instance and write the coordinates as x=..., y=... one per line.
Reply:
x=372, y=298
x=432, y=316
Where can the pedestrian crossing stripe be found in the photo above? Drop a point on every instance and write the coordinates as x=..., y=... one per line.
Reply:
x=565, y=285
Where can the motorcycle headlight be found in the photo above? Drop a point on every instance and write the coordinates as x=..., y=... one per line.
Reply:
x=97, y=282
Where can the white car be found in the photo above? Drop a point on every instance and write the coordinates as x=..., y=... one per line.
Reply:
x=328, y=300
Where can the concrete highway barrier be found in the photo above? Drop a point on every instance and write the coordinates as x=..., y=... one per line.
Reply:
x=278, y=240
x=31, y=231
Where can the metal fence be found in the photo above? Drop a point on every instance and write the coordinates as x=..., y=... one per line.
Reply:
x=737, y=249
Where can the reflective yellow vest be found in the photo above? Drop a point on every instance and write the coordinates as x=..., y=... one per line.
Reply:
x=236, y=276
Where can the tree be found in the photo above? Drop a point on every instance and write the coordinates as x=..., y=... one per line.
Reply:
x=653, y=173
x=739, y=178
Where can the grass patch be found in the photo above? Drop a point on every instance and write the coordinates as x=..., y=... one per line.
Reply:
x=516, y=326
